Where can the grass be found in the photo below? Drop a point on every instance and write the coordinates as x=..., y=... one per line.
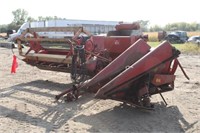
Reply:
x=184, y=48
x=153, y=36
x=188, y=48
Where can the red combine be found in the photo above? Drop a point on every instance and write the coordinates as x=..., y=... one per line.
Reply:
x=120, y=66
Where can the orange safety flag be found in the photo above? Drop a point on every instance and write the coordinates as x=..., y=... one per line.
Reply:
x=14, y=64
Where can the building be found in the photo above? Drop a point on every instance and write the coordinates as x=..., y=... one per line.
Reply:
x=93, y=26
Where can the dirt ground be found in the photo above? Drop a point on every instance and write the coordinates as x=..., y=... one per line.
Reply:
x=27, y=104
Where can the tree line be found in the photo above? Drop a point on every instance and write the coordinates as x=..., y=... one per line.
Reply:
x=21, y=16
x=176, y=26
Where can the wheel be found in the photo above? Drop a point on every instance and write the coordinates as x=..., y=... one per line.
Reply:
x=13, y=45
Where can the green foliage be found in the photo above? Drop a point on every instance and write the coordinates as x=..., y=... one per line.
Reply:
x=30, y=19
x=176, y=26
x=153, y=44
x=13, y=26
x=3, y=28
x=189, y=48
x=182, y=26
x=155, y=28
x=144, y=25
x=41, y=18
x=20, y=16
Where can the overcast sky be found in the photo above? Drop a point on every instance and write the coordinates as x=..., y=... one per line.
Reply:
x=158, y=12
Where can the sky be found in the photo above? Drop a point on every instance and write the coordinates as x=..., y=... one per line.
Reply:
x=159, y=12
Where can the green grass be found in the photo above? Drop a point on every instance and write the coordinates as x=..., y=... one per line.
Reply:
x=153, y=44
x=184, y=48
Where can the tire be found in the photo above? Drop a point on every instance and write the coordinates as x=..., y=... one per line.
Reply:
x=13, y=45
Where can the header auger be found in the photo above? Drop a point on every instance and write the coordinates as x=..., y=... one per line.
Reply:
x=120, y=66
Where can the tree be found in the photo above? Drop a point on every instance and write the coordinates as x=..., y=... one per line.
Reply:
x=20, y=16
x=171, y=27
x=30, y=19
x=3, y=28
x=144, y=24
x=40, y=18
x=155, y=28
x=182, y=26
x=13, y=26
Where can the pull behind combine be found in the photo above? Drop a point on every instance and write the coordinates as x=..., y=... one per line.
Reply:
x=120, y=66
